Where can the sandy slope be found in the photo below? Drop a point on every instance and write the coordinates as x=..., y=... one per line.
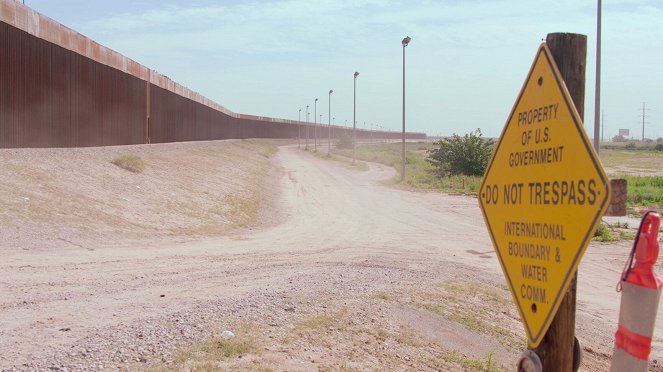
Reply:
x=96, y=277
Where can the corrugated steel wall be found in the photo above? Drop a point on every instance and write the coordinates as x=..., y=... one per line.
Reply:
x=52, y=96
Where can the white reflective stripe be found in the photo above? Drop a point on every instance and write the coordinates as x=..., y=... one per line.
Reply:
x=625, y=362
x=638, y=309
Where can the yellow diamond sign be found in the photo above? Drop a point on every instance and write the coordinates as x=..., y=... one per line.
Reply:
x=542, y=196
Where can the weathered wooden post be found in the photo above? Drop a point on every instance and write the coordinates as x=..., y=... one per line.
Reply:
x=556, y=350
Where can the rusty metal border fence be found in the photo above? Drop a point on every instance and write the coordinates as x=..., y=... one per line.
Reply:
x=51, y=96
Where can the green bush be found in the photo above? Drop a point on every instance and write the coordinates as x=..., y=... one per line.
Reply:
x=467, y=155
x=630, y=146
x=659, y=147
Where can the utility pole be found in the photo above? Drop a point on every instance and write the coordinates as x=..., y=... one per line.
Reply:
x=644, y=115
x=556, y=349
x=602, y=125
x=597, y=87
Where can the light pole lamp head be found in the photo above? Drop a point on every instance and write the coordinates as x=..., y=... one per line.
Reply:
x=331, y=91
x=356, y=74
x=316, y=100
x=406, y=41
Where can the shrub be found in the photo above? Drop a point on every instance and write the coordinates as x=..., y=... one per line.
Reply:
x=659, y=147
x=603, y=233
x=467, y=155
x=130, y=162
x=618, y=138
x=630, y=146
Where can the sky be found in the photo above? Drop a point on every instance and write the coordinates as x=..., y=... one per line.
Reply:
x=464, y=66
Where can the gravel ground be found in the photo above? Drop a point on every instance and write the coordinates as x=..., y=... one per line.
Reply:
x=332, y=271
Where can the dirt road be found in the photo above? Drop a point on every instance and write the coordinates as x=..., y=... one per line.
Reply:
x=346, y=246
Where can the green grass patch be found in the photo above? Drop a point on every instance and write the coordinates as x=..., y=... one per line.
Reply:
x=419, y=173
x=459, y=291
x=347, y=162
x=473, y=305
x=319, y=322
x=130, y=162
x=644, y=190
x=209, y=355
x=611, y=233
x=643, y=160
x=405, y=335
x=487, y=364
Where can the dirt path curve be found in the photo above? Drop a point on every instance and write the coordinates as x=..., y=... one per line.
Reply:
x=343, y=235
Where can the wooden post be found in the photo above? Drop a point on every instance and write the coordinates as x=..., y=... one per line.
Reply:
x=557, y=346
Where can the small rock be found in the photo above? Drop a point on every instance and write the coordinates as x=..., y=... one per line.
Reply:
x=65, y=329
x=227, y=334
x=163, y=295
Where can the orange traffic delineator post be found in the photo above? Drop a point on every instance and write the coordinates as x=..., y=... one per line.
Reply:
x=641, y=291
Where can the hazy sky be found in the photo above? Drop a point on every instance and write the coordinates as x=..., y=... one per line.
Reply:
x=465, y=65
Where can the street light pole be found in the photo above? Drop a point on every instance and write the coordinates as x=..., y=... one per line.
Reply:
x=405, y=42
x=333, y=125
x=315, y=129
x=597, y=87
x=299, y=129
x=329, y=122
x=307, y=127
x=354, y=120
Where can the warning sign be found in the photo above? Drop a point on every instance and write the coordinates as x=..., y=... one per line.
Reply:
x=542, y=196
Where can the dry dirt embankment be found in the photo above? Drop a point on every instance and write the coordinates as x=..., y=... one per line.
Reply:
x=61, y=198
x=105, y=269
